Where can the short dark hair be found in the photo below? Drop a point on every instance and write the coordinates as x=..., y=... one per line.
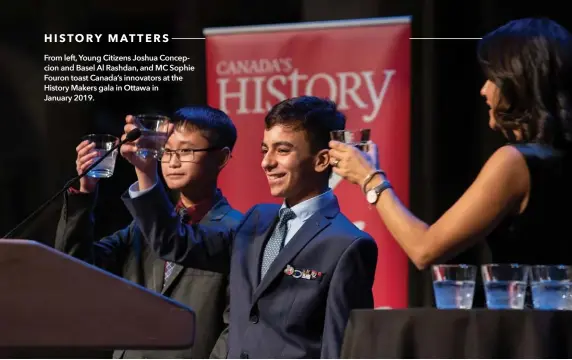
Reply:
x=214, y=124
x=530, y=61
x=317, y=117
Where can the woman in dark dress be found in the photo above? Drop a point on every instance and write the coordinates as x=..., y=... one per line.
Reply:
x=521, y=198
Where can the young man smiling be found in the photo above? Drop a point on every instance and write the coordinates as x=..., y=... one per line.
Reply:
x=195, y=153
x=296, y=270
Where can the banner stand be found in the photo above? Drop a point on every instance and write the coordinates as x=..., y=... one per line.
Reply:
x=364, y=66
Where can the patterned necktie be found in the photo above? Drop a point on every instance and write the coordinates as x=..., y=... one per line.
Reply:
x=276, y=241
x=169, y=266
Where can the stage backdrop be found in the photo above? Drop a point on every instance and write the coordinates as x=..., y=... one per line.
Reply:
x=363, y=65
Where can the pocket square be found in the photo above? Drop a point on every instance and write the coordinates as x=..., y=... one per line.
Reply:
x=307, y=274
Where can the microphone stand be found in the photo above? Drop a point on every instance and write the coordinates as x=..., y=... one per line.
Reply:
x=131, y=136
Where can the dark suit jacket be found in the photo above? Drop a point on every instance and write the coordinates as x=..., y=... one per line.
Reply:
x=301, y=308
x=126, y=254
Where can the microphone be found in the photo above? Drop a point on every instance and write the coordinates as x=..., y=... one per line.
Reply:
x=131, y=136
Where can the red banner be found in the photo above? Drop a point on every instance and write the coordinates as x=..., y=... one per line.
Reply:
x=362, y=65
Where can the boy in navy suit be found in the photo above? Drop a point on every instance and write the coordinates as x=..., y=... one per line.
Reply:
x=296, y=270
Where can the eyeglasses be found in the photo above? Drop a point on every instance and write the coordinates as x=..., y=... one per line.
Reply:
x=183, y=155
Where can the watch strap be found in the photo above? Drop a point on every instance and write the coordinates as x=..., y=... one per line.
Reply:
x=384, y=185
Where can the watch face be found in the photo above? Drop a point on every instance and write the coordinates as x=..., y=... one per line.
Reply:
x=371, y=196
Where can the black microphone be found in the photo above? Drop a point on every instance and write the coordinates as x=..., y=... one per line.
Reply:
x=131, y=136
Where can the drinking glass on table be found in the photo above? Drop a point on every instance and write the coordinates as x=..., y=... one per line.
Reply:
x=103, y=143
x=454, y=286
x=154, y=134
x=551, y=287
x=505, y=285
x=358, y=138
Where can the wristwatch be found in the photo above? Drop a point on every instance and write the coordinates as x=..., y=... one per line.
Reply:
x=373, y=194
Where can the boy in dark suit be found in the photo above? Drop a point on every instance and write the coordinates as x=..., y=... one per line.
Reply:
x=296, y=270
x=195, y=153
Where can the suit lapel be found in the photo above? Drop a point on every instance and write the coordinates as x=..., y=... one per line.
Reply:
x=150, y=278
x=266, y=222
x=311, y=228
x=220, y=208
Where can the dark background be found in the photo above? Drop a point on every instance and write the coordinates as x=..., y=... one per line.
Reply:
x=450, y=137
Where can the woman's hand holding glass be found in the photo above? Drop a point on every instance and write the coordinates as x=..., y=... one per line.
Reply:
x=351, y=163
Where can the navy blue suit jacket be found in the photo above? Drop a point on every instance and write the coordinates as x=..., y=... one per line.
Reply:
x=301, y=308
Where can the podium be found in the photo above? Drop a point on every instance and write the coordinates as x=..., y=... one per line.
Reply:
x=51, y=300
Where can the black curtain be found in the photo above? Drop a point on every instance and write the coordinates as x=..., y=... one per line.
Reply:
x=450, y=137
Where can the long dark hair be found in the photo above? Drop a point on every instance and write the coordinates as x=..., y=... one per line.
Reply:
x=530, y=61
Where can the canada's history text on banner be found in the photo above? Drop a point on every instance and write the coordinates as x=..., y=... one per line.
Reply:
x=362, y=65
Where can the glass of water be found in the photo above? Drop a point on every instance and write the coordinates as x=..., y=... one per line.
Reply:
x=454, y=286
x=154, y=133
x=551, y=287
x=103, y=143
x=505, y=285
x=358, y=138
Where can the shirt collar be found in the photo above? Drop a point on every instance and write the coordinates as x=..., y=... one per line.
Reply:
x=307, y=208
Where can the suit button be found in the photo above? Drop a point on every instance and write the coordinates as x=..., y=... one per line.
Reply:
x=254, y=319
x=244, y=355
